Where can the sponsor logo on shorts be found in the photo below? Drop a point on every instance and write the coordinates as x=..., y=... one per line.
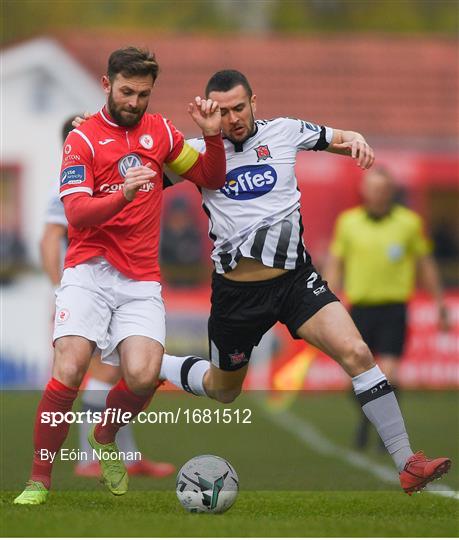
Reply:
x=126, y=162
x=62, y=316
x=74, y=175
x=319, y=290
x=311, y=279
x=237, y=358
x=249, y=182
x=146, y=141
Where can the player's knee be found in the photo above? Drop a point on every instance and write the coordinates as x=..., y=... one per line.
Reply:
x=70, y=373
x=360, y=358
x=141, y=379
x=70, y=365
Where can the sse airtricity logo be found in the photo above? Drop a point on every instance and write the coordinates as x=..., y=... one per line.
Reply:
x=126, y=162
x=249, y=182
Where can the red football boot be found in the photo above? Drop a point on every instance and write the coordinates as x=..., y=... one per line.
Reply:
x=419, y=471
x=155, y=469
x=90, y=470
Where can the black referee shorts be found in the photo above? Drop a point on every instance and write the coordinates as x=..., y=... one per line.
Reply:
x=242, y=312
x=383, y=327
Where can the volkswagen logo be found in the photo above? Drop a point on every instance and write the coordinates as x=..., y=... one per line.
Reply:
x=126, y=162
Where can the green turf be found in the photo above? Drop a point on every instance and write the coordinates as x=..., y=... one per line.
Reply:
x=287, y=488
x=264, y=514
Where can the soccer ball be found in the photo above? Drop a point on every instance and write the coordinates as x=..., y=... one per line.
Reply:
x=207, y=484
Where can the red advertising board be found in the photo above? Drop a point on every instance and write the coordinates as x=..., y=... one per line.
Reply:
x=431, y=358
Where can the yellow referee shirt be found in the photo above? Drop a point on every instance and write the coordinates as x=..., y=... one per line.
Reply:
x=379, y=255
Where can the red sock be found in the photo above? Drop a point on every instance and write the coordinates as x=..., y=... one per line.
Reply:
x=56, y=398
x=122, y=400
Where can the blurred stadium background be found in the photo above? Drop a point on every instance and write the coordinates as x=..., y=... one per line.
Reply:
x=388, y=69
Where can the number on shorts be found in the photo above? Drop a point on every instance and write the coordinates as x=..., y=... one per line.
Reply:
x=311, y=279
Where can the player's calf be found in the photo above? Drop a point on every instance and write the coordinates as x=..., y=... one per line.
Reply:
x=224, y=395
x=380, y=406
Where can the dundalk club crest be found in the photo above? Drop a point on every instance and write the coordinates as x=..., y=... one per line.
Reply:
x=263, y=152
x=237, y=357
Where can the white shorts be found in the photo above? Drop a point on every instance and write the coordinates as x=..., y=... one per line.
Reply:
x=99, y=303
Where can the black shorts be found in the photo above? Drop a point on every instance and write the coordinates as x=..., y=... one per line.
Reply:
x=383, y=327
x=242, y=312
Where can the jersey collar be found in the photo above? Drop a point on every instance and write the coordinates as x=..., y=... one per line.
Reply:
x=105, y=115
x=239, y=146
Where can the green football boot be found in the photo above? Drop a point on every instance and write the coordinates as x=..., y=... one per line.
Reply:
x=114, y=472
x=34, y=493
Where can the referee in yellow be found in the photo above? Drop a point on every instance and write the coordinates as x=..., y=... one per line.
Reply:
x=376, y=252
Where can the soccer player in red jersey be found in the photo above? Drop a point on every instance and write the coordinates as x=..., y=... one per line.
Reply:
x=110, y=295
x=100, y=377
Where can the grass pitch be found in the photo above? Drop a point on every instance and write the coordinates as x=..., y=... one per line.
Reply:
x=288, y=487
x=255, y=514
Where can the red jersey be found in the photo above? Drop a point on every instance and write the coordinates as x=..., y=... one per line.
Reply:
x=95, y=160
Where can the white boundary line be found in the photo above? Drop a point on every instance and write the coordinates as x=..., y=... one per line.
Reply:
x=310, y=436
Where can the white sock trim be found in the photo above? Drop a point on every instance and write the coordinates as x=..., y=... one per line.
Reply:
x=170, y=366
x=367, y=379
x=196, y=377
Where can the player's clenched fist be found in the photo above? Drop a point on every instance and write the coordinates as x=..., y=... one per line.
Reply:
x=135, y=178
x=206, y=113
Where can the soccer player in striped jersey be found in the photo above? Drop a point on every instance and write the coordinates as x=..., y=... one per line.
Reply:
x=264, y=274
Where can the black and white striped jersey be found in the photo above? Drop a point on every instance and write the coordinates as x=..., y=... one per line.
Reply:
x=256, y=214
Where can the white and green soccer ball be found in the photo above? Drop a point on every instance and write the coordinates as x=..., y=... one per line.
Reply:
x=207, y=484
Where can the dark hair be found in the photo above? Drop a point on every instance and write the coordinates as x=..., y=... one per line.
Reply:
x=132, y=61
x=67, y=126
x=225, y=80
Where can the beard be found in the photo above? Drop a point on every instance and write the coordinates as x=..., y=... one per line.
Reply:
x=250, y=131
x=121, y=116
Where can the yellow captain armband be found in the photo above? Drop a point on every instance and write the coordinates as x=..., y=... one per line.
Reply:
x=185, y=160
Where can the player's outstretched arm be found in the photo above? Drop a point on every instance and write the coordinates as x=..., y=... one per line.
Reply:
x=351, y=143
x=209, y=168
